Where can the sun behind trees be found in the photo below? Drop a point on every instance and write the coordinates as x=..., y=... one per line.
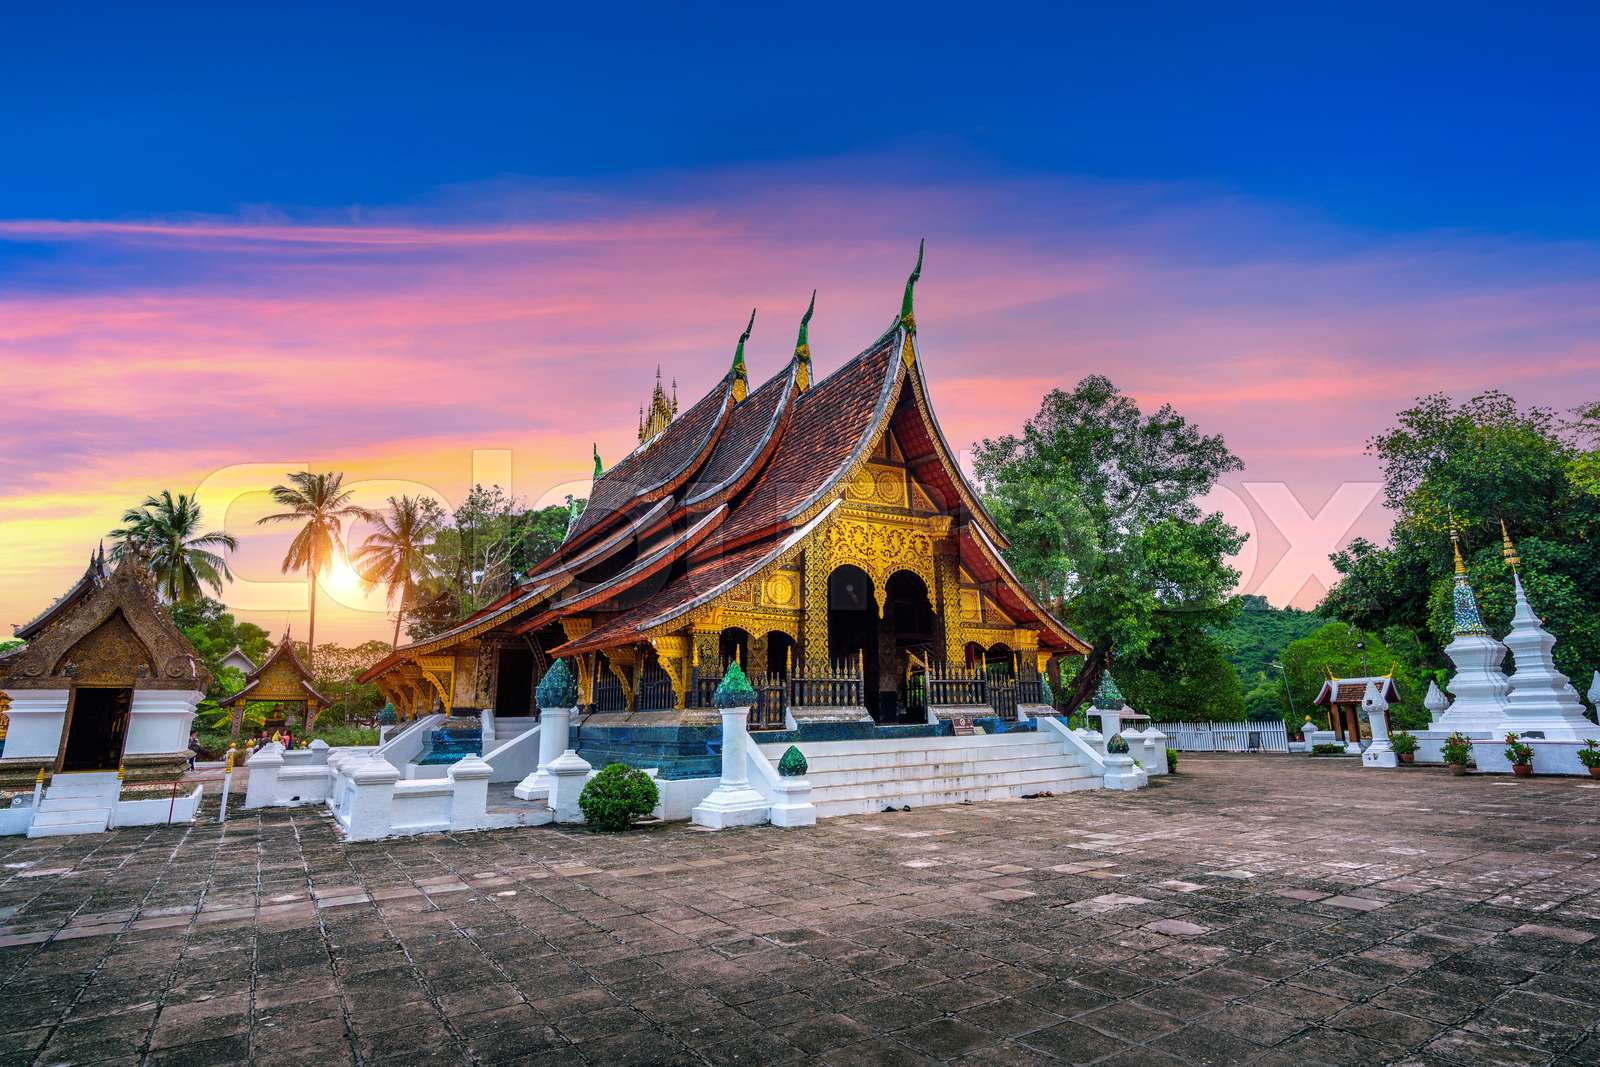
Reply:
x=322, y=507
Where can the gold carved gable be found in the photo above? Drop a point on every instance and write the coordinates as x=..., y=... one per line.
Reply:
x=110, y=654
x=881, y=545
x=878, y=483
x=279, y=681
x=118, y=633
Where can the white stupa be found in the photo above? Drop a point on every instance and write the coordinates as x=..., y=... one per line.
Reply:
x=1479, y=686
x=1542, y=701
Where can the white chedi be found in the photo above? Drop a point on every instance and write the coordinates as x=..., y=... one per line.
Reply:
x=1594, y=690
x=1479, y=686
x=1436, y=702
x=1542, y=701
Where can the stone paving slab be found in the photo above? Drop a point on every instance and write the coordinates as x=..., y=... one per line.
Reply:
x=1262, y=910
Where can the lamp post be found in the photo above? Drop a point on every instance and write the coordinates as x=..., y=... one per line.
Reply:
x=1287, y=694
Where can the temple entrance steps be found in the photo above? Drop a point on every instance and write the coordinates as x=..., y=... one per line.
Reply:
x=78, y=803
x=858, y=778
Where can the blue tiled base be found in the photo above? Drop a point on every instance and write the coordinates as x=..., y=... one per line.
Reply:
x=696, y=751
x=449, y=746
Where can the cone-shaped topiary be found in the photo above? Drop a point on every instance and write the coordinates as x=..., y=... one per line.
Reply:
x=793, y=764
x=734, y=690
x=1108, y=697
x=387, y=716
x=1118, y=745
x=558, y=688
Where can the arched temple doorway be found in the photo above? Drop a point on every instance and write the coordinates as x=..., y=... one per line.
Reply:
x=780, y=652
x=892, y=648
x=734, y=646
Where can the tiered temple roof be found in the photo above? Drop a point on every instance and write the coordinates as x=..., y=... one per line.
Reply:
x=734, y=487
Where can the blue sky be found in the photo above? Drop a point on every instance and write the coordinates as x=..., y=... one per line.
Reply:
x=1449, y=117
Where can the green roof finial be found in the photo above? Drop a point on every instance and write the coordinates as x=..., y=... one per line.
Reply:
x=802, y=345
x=741, y=377
x=906, y=318
x=598, y=469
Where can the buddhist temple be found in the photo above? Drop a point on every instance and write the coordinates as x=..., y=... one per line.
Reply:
x=105, y=682
x=815, y=528
x=283, y=680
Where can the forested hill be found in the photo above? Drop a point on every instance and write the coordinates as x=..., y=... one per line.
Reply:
x=1259, y=635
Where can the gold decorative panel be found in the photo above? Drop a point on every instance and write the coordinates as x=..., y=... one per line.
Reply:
x=780, y=590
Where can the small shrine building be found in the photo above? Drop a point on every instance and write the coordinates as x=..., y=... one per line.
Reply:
x=105, y=681
x=282, y=679
x=1343, y=696
x=816, y=529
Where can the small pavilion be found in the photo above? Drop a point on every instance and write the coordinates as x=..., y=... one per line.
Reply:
x=1342, y=697
x=281, y=679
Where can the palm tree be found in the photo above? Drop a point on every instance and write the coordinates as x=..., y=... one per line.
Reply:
x=161, y=531
x=321, y=504
x=396, y=554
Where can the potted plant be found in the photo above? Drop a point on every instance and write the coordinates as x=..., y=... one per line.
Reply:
x=1520, y=755
x=1404, y=745
x=1589, y=756
x=1457, y=752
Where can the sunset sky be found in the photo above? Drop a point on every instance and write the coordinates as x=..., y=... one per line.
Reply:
x=402, y=245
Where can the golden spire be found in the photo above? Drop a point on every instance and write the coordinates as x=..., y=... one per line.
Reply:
x=1508, y=550
x=1455, y=546
x=660, y=413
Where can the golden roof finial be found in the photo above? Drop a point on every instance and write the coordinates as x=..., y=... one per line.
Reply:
x=1455, y=545
x=1508, y=550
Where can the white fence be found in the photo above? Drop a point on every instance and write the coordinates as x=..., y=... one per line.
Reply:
x=1227, y=736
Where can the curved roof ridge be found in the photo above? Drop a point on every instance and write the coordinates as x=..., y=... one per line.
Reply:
x=770, y=432
x=678, y=451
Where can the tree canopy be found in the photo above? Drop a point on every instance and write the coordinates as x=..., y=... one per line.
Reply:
x=1476, y=464
x=489, y=543
x=1099, y=501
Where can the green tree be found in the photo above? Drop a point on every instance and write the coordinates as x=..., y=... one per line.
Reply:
x=491, y=542
x=321, y=506
x=1099, y=503
x=214, y=632
x=1477, y=464
x=163, y=533
x=1259, y=633
x=395, y=555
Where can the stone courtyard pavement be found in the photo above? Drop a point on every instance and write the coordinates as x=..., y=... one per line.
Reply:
x=1264, y=910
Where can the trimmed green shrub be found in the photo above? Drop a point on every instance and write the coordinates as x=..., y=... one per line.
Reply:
x=1172, y=761
x=793, y=764
x=612, y=799
x=1328, y=749
x=734, y=690
x=558, y=688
